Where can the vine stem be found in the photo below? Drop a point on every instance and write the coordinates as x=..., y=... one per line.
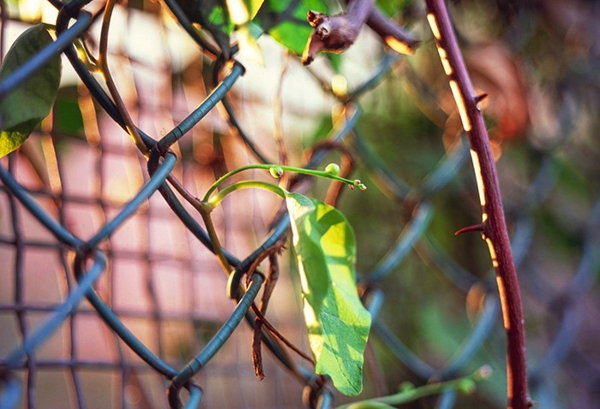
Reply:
x=280, y=168
x=494, y=229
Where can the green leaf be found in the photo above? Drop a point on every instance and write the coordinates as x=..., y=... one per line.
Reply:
x=392, y=7
x=212, y=16
x=338, y=324
x=30, y=102
x=67, y=116
x=285, y=21
x=253, y=6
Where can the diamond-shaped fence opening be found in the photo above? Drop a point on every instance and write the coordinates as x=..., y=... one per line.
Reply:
x=111, y=296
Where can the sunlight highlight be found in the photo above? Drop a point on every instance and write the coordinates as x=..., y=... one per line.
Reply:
x=445, y=63
x=238, y=12
x=434, y=26
x=478, y=177
x=502, y=292
x=398, y=46
x=339, y=85
x=460, y=103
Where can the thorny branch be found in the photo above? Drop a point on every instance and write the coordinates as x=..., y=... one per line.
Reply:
x=337, y=33
x=493, y=226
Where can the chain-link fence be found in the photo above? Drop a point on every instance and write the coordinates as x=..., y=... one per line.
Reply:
x=110, y=295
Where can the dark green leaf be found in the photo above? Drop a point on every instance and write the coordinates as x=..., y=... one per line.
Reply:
x=67, y=117
x=30, y=102
x=338, y=324
x=391, y=7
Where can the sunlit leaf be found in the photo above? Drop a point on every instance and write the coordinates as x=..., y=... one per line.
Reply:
x=23, y=109
x=338, y=324
x=285, y=21
x=253, y=6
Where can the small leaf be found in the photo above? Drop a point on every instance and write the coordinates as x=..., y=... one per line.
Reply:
x=30, y=102
x=338, y=324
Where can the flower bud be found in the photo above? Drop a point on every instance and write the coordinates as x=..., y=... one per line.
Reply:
x=333, y=169
x=276, y=171
x=467, y=386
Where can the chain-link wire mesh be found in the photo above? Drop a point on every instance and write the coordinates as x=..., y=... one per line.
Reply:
x=110, y=295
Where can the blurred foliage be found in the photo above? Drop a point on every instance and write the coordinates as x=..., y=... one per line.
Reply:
x=538, y=61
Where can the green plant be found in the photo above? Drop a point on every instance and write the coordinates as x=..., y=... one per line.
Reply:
x=323, y=241
x=33, y=96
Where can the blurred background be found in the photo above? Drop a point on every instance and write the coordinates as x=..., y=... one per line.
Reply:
x=394, y=115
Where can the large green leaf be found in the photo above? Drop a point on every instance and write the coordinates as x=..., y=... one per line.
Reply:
x=285, y=21
x=30, y=102
x=338, y=324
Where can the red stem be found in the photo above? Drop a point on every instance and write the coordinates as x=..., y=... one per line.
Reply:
x=494, y=225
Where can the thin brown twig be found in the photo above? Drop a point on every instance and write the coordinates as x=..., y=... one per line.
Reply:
x=270, y=282
x=260, y=319
x=112, y=88
x=279, y=336
x=278, y=114
x=494, y=229
x=259, y=314
x=201, y=208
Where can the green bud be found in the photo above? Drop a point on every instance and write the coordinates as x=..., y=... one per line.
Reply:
x=467, y=386
x=333, y=169
x=276, y=171
x=357, y=183
x=406, y=386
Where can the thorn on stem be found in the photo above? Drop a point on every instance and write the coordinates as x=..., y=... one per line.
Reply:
x=476, y=227
x=479, y=98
